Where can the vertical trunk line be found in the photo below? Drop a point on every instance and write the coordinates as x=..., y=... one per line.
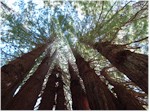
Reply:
x=79, y=98
x=31, y=89
x=94, y=87
x=125, y=97
x=60, y=101
x=48, y=97
x=133, y=65
x=15, y=71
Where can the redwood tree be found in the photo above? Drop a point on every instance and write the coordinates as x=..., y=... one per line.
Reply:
x=31, y=89
x=79, y=97
x=134, y=65
x=98, y=94
x=15, y=71
x=60, y=100
x=125, y=96
x=48, y=97
x=118, y=30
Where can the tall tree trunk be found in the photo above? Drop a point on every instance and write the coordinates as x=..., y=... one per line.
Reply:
x=28, y=94
x=79, y=98
x=99, y=97
x=60, y=101
x=48, y=97
x=125, y=97
x=134, y=65
x=14, y=72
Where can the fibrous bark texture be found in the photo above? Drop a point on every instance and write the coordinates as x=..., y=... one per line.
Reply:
x=28, y=94
x=79, y=98
x=54, y=87
x=133, y=65
x=48, y=97
x=60, y=101
x=99, y=97
x=15, y=71
x=125, y=97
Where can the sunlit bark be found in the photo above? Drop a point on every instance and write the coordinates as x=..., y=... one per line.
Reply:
x=79, y=98
x=125, y=97
x=14, y=72
x=48, y=97
x=133, y=65
x=60, y=101
x=26, y=98
x=99, y=97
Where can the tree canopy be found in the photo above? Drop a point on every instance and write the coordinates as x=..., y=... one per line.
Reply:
x=67, y=25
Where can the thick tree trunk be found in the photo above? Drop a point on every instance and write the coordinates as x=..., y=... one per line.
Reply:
x=28, y=94
x=99, y=97
x=60, y=101
x=125, y=97
x=79, y=98
x=134, y=65
x=48, y=97
x=14, y=72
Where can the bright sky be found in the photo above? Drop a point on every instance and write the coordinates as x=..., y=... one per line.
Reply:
x=39, y=3
x=10, y=3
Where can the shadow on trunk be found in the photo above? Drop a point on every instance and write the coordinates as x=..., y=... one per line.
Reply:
x=133, y=65
x=125, y=97
x=15, y=71
x=31, y=89
x=99, y=97
x=79, y=98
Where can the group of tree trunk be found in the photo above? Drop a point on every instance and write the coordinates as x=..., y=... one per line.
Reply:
x=133, y=65
x=95, y=96
x=15, y=71
x=54, y=89
x=125, y=97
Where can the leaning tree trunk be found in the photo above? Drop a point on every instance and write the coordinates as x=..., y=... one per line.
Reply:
x=134, y=65
x=60, y=101
x=99, y=97
x=26, y=98
x=14, y=72
x=125, y=97
x=48, y=97
x=79, y=98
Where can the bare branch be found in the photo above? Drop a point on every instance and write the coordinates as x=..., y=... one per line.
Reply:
x=101, y=11
x=108, y=11
x=104, y=23
x=132, y=19
x=136, y=41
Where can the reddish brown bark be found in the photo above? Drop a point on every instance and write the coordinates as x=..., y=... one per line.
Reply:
x=99, y=97
x=48, y=97
x=14, y=72
x=28, y=94
x=134, y=65
x=125, y=97
x=60, y=101
x=79, y=98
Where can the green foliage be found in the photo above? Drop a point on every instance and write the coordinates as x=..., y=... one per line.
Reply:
x=72, y=23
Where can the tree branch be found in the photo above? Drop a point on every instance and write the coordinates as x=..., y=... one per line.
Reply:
x=136, y=41
x=101, y=11
x=128, y=21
